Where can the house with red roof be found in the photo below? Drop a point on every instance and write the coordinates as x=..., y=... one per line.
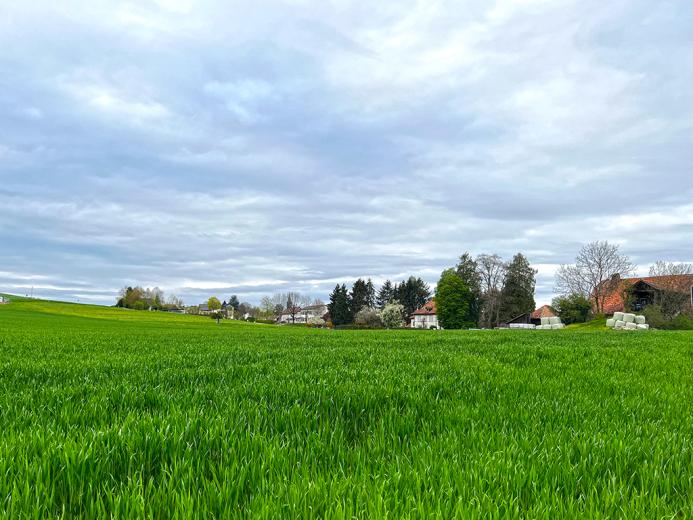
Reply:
x=637, y=293
x=426, y=317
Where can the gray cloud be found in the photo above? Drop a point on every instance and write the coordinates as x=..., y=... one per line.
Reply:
x=218, y=149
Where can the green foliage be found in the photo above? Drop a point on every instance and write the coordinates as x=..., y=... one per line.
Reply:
x=518, y=288
x=412, y=294
x=339, y=306
x=468, y=271
x=574, y=308
x=141, y=299
x=110, y=413
x=360, y=296
x=657, y=319
x=453, y=302
x=234, y=303
x=385, y=295
x=213, y=304
x=392, y=315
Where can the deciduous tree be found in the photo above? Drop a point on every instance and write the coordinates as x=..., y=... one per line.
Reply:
x=453, y=301
x=592, y=275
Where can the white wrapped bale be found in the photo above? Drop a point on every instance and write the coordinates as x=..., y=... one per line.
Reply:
x=545, y=321
x=629, y=318
x=640, y=320
x=555, y=326
x=619, y=324
x=554, y=320
x=631, y=326
x=618, y=316
x=643, y=326
x=610, y=322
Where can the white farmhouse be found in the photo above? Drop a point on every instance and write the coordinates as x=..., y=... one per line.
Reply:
x=425, y=317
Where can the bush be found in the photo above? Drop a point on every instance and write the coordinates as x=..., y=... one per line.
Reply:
x=656, y=318
x=368, y=317
x=316, y=322
x=392, y=315
x=574, y=308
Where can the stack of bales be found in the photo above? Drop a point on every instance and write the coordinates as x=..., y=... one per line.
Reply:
x=550, y=323
x=522, y=326
x=627, y=321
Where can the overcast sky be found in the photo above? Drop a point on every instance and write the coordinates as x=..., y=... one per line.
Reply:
x=211, y=149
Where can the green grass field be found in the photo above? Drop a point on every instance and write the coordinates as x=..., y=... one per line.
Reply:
x=125, y=414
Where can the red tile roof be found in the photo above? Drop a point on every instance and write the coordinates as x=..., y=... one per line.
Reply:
x=428, y=309
x=545, y=311
x=613, y=302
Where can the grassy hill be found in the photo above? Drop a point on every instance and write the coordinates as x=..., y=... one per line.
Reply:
x=113, y=413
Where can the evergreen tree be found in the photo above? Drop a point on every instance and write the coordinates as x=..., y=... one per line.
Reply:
x=453, y=302
x=518, y=288
x=385, y=295
x=233, y=302
x=370, y=294
x=339, y=307
x=412, y=294
x=468, y=271
x=359, y=296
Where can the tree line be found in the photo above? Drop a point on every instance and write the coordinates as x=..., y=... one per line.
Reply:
x=485, y=291
x=390, y=306
x=139, y=298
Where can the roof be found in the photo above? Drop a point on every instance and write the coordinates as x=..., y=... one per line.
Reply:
x=682, y=283
x=429, y=309
x=545, y=311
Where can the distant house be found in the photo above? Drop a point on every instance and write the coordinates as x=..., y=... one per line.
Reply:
x=228, y=309
x=303, y=314
x=637, y=293
x=534, y=317
x=426, y=317
x=3, y=300
x=203, y=308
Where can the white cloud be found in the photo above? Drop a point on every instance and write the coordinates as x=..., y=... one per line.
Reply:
x=247, y=147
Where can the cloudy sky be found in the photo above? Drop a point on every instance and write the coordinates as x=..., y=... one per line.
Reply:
x=212, y=148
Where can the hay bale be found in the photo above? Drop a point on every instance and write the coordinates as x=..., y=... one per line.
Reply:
x=629, y=318
x=643, y=326
x=554, y=320
x=555, y=326
x=545, y=321
x=631, y=326
x=640, y=320
x=618, y=316
x=610, y=322
x=619, y=324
